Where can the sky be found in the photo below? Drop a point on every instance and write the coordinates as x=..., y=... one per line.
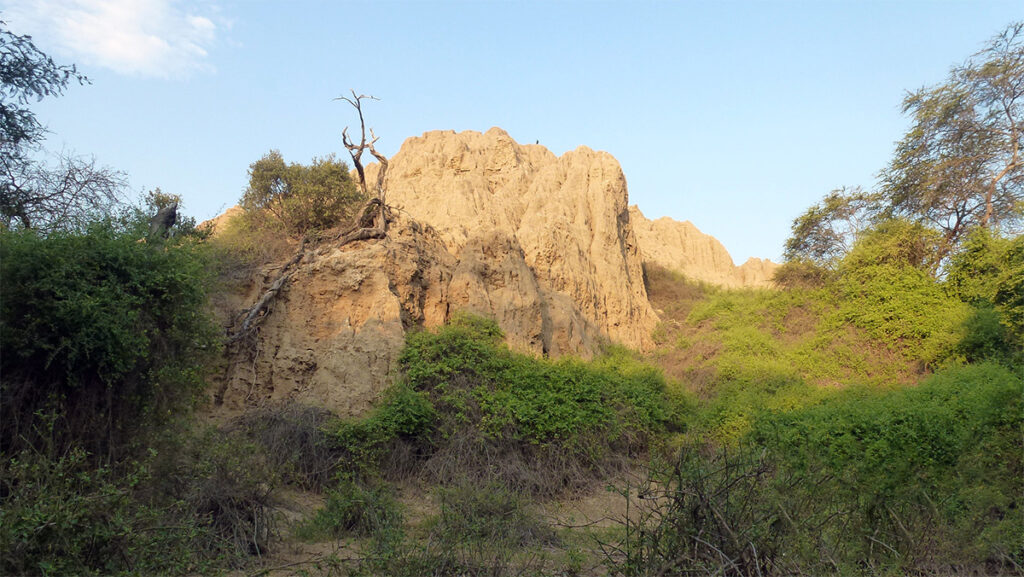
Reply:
x=736, y=116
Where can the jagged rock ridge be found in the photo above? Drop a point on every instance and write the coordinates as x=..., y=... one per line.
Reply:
x=682, y=247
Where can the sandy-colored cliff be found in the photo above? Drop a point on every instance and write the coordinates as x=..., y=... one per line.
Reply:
x=569, y=215
x=682, y=247
x=540, y=243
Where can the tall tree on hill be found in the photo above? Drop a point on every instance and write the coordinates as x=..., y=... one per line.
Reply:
x=960, y=166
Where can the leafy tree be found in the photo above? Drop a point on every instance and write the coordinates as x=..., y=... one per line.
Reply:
x=299, y=197
x=25, y=74
x=828, y=230
x=107, y=334
x=960, y=167
x=33, y=194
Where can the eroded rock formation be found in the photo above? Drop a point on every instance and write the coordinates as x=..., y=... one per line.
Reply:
x=682, y=247
x=545, y=245
x=540, y=243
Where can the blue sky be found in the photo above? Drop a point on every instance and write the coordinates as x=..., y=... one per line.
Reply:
x=736, y=116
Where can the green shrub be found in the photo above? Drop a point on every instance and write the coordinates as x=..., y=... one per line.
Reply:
x=974, y=270
x=353, y=508
x=470, y=407
x=390, y=437
x=1009, y=297
x=933, y=472
x=864, y=481
x=302, y=198
x=904, y=308
x=984, y=336
x=106, y=331
x=66, y=516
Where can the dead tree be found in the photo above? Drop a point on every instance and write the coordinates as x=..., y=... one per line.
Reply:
x=356, y=152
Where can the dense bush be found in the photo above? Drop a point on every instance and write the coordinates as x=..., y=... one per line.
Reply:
x=933, y=471
x=903, y=308
x=108, y=333
x=354, y=508
x=470, y=407
x=63, y=516
x=295, y=441
x=302, y=198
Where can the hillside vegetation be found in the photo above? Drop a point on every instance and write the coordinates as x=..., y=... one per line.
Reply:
x=865, y=417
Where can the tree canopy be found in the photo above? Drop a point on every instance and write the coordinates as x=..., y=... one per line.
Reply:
x=959, y=167
x=301, y=197
x=34, y=194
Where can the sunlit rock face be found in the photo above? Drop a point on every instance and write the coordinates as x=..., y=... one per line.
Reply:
x=682, y=247
x=568, y=216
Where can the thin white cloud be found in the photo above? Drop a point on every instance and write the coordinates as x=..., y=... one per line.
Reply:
x=160, y=38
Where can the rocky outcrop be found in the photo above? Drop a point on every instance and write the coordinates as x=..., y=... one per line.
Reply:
x=540, y=243
x=569, y=215
x=335, y=330
x=682, y=247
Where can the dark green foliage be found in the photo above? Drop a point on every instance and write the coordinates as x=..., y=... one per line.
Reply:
x=302, y=198
x=201, y=505
x=63, y=516
x=353, y=508
x=1009, y=295
x=471, y=408
x=984, y=337
x=108, y=332
x=975, y=269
